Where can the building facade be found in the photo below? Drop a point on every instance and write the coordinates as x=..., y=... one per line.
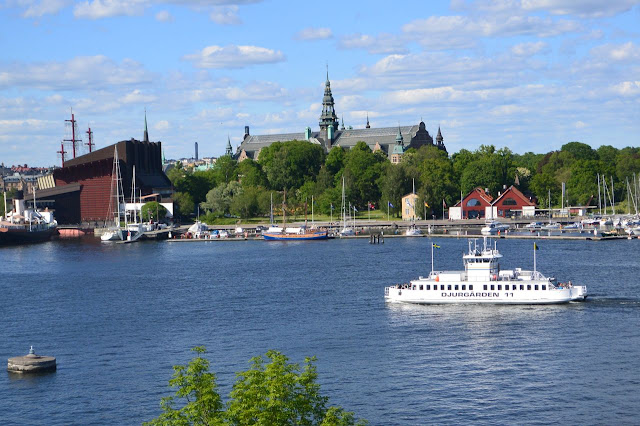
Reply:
x=393, y=141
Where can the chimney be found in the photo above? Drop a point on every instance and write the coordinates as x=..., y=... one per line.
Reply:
x=196, y=157
x=246, y=131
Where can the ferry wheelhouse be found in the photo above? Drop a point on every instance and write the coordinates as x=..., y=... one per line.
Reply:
x=482, y=281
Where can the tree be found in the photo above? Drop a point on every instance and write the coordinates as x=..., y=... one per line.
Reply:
x=251, y=174
x=245, y=203
x=272, y=392
x=393, y=185
x=183, y=203
x=219, y=198
x=154, y=210
x=580, y=151
x=361, y=170
x=197, y=386
x=225, y=170
x=288, y=165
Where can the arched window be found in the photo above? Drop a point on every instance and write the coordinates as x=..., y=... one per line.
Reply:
x=509, y=202
x=474, y=202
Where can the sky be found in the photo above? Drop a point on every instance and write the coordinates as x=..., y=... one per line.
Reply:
x=530, y=75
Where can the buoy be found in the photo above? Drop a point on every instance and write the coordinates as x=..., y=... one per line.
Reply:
x=31, y=363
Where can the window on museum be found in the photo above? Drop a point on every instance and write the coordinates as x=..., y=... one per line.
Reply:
x=474, y=202
x=509, y=202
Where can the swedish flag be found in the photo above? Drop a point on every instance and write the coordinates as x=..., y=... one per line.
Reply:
x=435, y=245
x=535, y=246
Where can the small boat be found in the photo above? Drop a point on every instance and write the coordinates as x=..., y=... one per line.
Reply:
x=574, y=225
x=413, y=231
x=493, y=227
x=551, y=226
x=294, y=234
x=533, y=225
x=482, y=281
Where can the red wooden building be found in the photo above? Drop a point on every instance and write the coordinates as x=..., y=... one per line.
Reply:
x=473, y=205
x=513, y=203
x=82, y=190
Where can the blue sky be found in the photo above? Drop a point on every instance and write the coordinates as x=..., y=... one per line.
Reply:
x=527, y=74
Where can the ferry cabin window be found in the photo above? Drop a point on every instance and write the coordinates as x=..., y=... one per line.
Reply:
x=485, y=287
x=514, y=287
x=456, y=288
x=442, y=287
x=449, y=287
x=464, y=286
x=493, y=287
x=528, y=286
x=421, y=287
x=499, y=286
x=414, y=287
x=470, y=287
x=521, y=286
x=544, y=287
x=428, y=286
x=536, y=286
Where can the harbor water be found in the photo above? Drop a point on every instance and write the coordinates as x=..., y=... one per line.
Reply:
x=118, y=317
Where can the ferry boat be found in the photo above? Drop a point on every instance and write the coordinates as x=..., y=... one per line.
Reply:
x=482, y=281
x=26, y=225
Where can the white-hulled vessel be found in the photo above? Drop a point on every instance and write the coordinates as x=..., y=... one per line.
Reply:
x=482, y=281
x=493, y=227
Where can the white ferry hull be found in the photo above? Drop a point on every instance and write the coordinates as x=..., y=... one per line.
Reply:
x=480, y=296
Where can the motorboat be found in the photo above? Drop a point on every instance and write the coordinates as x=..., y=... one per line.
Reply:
x=413, y=231
x=493, y=227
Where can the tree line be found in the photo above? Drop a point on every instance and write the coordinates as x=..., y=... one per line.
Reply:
x=301, y=171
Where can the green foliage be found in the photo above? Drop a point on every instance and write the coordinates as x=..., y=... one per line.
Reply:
x=362, y=169
x=579, y=151
x=251, y=174
x=196, y=386
x=218, y=200
x=288, y=165
x=153, y=210
x=394, y=185
x=225, y=170
x=183, y=204
x=245, y=202
x=272, y=392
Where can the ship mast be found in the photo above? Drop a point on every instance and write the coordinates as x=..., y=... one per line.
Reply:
x=73, y=139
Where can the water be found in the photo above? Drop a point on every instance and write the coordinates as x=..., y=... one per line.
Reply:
x=118, y=317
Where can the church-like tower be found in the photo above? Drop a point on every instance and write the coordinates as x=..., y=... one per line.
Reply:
x=328, y=119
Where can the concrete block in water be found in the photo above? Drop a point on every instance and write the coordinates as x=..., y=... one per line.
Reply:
x=31, y=363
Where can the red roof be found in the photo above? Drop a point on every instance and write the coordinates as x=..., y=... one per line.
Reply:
x=478, y=192
x=516, y=194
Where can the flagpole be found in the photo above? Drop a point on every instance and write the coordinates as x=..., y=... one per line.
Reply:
x=369, y=208
x=387, y=211
x=534, y=260
x=431, y=258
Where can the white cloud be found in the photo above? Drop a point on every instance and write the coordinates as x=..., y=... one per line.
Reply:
x=232, y=56
x=582, y=8
x=162, y=125
x=83, y=72
x=529, y=48
x=312, y=33
x=37, y=9
x=137, y=97
x=164, y=16
x=626, y=52
x=225, y=15
x=97, y=9
x=627, y=88
x=383, y=43
x=579, y=124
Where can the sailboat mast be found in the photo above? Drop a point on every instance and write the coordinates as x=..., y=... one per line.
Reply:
x=117, y=177
x=613, y=197
x=599, y=198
